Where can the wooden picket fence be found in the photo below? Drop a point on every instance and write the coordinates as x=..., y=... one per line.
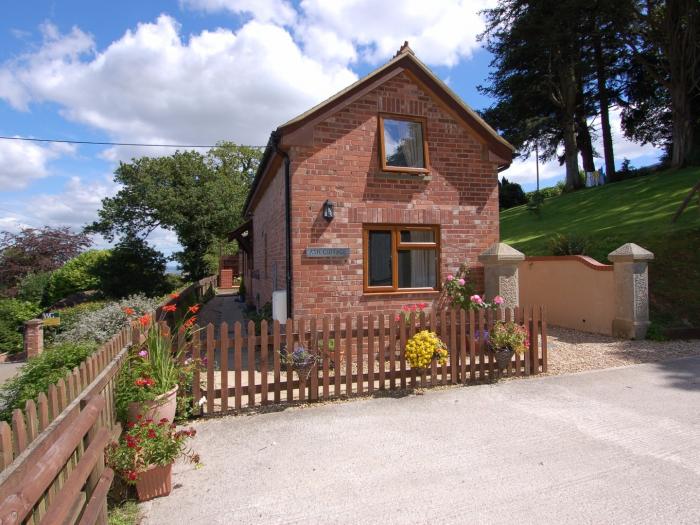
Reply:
x=52, y=455
x=361, y=354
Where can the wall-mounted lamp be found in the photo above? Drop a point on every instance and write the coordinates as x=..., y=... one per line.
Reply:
x=328, y=213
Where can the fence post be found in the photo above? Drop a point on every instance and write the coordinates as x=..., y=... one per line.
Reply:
x=33, y=337
x=501, y=273
x=630, y=267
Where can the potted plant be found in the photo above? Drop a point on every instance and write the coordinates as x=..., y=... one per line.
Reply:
x=149, y=381
x=423, y=348
x=145, y=454
x=300, y=359
x=505, y=339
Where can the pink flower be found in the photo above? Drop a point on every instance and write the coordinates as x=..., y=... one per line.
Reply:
x=450, y=277
x=476, y=299
x=498, y=300
x=143, y=353
x=461, y=282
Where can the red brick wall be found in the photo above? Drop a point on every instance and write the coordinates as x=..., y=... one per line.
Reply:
x=343, y=165
x=269, y=255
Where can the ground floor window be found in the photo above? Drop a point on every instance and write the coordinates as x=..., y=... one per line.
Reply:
x=400, y=257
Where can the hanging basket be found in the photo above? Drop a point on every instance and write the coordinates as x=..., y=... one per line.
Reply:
x=503, y=357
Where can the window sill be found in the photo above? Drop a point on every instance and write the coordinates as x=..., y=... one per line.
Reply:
x=395, y=175
x=401, y=292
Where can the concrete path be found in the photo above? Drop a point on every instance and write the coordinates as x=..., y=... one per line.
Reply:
x=613, y=446
x=224, y=307
x=9, y=370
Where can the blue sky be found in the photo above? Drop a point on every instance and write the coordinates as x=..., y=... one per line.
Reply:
x=199, y=71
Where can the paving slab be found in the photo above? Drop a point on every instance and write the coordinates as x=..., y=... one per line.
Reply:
x=613, y=446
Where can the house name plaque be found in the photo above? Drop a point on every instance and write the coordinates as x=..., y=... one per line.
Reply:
x=328, y=252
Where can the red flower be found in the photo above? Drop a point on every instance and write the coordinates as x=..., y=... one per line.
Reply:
x=128, y=311
x=175, y=295
x=139, y=416
x=193, y=309
x=132, y=475
x=190, y=322
x=423, y=305
x=145, y=320
x=169, y=308
x=152, y=434
x=164, y=420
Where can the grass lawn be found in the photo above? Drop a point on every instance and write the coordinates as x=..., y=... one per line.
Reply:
x=637, y=210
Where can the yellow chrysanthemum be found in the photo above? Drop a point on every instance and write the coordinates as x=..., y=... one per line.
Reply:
x=423, y=347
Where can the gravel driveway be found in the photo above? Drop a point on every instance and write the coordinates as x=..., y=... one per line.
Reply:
x=612, y=446
x=572, y=351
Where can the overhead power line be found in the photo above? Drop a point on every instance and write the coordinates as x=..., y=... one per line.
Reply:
x=100, y=143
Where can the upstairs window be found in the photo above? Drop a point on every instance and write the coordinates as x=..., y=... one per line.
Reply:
x=403, y=144
x=401, y=258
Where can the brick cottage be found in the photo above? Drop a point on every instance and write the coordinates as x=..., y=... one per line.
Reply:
x=367, y=201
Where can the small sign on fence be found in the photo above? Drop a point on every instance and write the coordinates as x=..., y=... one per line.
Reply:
x=51, y=318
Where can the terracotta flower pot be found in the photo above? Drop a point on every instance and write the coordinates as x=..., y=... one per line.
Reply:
x=161, y=407
x=155, y=482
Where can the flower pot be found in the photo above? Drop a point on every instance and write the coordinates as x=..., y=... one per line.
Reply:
x=155, y=482
x=161, y=407
x=503, y=357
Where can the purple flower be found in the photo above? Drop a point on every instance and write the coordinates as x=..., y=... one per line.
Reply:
x=461, y=282
x=143, y=353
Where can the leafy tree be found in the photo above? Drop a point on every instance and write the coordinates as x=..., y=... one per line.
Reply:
x=35, y=250
x=77, y=275
x=665, y=41
x=510, y=194
x=13, y=314
x=133, y=267
x=199, y=197
x=33, y=287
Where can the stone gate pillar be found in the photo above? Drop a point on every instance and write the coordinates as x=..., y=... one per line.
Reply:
x=501, y=273
x=631, y=278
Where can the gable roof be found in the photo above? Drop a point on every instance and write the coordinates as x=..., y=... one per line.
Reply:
x=405, y=60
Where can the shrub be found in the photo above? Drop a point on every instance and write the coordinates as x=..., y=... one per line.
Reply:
x=100, y=325
x=510, y=194
x=258, y=316
x=133, y=267
x=70, y=317
x=552, y=191
x=535, y=204
x=40, y=372
x=33, y=287
x=569, y=244
x=13, y=314
x=76, y=275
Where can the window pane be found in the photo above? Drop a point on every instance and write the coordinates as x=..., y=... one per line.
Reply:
x=403, y=143
x=417, y=269
x=379, y=258
x=417, y=236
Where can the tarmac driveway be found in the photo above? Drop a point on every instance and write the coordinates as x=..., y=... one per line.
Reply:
x=612, y=446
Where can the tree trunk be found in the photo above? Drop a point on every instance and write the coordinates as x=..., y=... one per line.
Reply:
x=604, y=105
x=573, y=179
x=584, y=143
x=569, y=92
x=681, y=21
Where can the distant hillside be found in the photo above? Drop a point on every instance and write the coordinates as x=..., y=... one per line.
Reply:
x=637, y=210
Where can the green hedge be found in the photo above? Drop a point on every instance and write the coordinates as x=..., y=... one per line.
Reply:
x=40, y=372
x=13, y=313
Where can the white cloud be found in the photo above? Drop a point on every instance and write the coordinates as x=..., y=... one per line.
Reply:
x=22, y=162
x=262, y=10
x=441, y=32
x=152, y=86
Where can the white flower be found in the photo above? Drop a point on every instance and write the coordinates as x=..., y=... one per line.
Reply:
x=202, y=401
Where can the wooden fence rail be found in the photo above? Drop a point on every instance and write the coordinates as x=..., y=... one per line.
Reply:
x=360, y=355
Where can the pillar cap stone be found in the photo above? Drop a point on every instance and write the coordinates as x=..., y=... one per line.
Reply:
x=501, y=252
x=33, y=322
x=630, y=252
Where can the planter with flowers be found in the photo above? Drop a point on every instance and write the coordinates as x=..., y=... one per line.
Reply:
x=407, y=310
x=145, y=454
x=505, y=339
x=156, y=369
x=424, y=348
x=301, y=359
